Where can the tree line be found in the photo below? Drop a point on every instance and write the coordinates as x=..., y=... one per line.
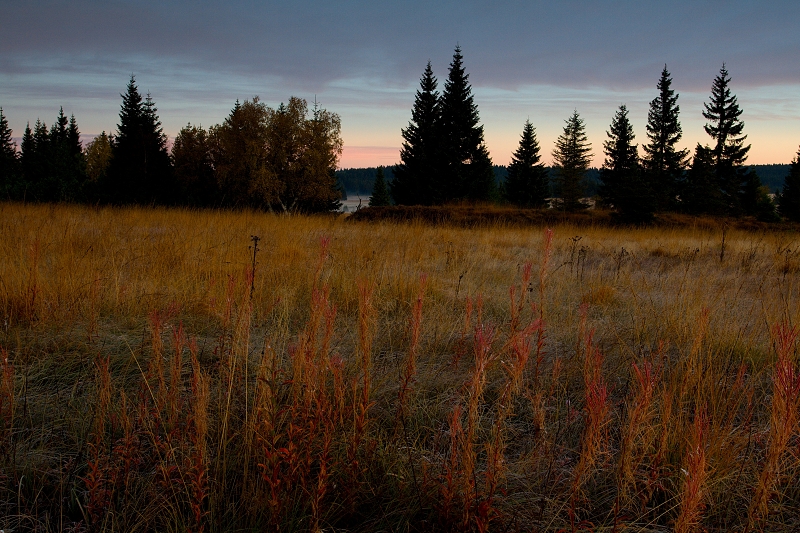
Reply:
x=444, y=159
x=278, y=159
x=285, y=159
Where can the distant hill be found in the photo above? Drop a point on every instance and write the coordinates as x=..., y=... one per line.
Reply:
x=772, y=175
x=359, y=181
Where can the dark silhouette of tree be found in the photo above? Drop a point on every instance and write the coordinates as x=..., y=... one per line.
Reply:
x=28, y=162
x=380, y=194
x=140, y=169
x=418, y=167
x=729, y=151
x=318, y=191
x=623, y=185
x=239, y=155
x=789, y=199
x=98, y=157
x=466, y=168
x=701, y=192
x=663, y=164
x=527, y=184
x=571, y=158
x=303, y=152
x=66, y=166
x=193, y=167
x=10, y=167
x=36, y=159
x=278, y=159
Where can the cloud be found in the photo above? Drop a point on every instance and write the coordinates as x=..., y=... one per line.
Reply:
x=364, y=59
x=310, y=44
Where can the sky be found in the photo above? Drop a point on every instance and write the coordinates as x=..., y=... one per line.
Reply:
x=536, y=60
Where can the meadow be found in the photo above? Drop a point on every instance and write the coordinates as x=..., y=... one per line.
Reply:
x=164, y=371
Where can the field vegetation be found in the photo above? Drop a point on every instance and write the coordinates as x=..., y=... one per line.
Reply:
x=163, y=370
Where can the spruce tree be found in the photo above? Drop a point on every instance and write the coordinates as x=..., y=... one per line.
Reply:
x=729, y=151
x=572, y=156
x=418, y=167
x=36, y=163
x=789, y=199
x=527, y=184
x=663, y=164
x=10, y=168
x=66, y=165
x=380, y=194
x=623, y=184
x=466, y=168
x=27, y=162
x=140, y=169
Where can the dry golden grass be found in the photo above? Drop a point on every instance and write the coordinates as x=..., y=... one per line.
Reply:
x=385, y=376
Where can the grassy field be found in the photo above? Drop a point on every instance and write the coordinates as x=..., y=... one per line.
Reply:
x=160, y=374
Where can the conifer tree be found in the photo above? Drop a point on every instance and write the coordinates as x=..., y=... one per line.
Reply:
x=140, y=170
x=571, y=157
x=789, y=199
x=10, y=168
x=663, y=164
x=66, y=166
x=36, y=162
x=623, y=184
x=380, y=194
x=27, y=160
x=527, y=184
x=729, y=151
x=418, y=167
x=466, y=168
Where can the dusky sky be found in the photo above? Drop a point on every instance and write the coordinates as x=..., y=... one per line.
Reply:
x=362, y=60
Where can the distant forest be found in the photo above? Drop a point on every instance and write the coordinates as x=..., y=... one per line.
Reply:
x=359, y=181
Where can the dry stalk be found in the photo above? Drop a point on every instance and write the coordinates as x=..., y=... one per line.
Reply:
x=695, y=474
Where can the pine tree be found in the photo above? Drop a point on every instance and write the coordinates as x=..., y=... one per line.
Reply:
x=380, y=194
x=418, y=169
x=140, y=169
x=789, y=199
x=10, y=168
x=663, y=164
x=466, y=168
x=36, y=162
x=27, y=162
x=623, y=183
x=729, y=151
x=527, y=184
x=66, y=164
x=572, y=156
